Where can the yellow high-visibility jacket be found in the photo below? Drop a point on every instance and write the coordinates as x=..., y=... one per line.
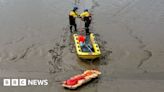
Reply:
x=85, y=14
x=73, y=14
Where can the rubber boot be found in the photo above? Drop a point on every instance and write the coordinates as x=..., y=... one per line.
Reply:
x=75, y=28
x=71, y=28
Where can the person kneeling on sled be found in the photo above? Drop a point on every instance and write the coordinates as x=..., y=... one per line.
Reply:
x=85, y=47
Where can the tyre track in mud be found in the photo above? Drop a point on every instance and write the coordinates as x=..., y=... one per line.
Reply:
x=66, y=42
x=147, y=53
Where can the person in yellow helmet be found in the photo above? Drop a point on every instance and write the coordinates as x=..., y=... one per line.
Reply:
x=86, y=17
x=72, y=19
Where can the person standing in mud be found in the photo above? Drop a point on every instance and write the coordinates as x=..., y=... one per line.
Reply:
x=72, y=19
x=86, y=17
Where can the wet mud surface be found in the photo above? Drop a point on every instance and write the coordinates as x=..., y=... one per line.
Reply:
x=35, y=43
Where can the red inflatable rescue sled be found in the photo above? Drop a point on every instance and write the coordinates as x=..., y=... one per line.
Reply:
x=78, y=80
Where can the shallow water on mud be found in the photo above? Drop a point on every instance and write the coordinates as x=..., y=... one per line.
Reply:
x=35, y=42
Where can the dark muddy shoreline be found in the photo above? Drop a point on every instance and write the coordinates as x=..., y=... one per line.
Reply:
x=35, y=42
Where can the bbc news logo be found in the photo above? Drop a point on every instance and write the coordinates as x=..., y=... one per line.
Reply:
x=24, y=82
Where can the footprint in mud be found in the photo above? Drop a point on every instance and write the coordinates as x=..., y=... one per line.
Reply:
x=148, y=54
x=58, y=49
x=66, y=41
x=56, y=60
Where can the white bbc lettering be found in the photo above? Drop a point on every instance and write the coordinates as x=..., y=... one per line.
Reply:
x=6, y=82
x=32, y=82
x=42, y=82
x=14, y=82
x=22, y=82
x=37, y=82
x=45, y=82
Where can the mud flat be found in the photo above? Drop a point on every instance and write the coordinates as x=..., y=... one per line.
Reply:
x=35, y=43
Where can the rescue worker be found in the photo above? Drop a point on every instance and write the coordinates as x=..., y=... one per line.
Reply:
x=86, y=17
x=72, y=19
